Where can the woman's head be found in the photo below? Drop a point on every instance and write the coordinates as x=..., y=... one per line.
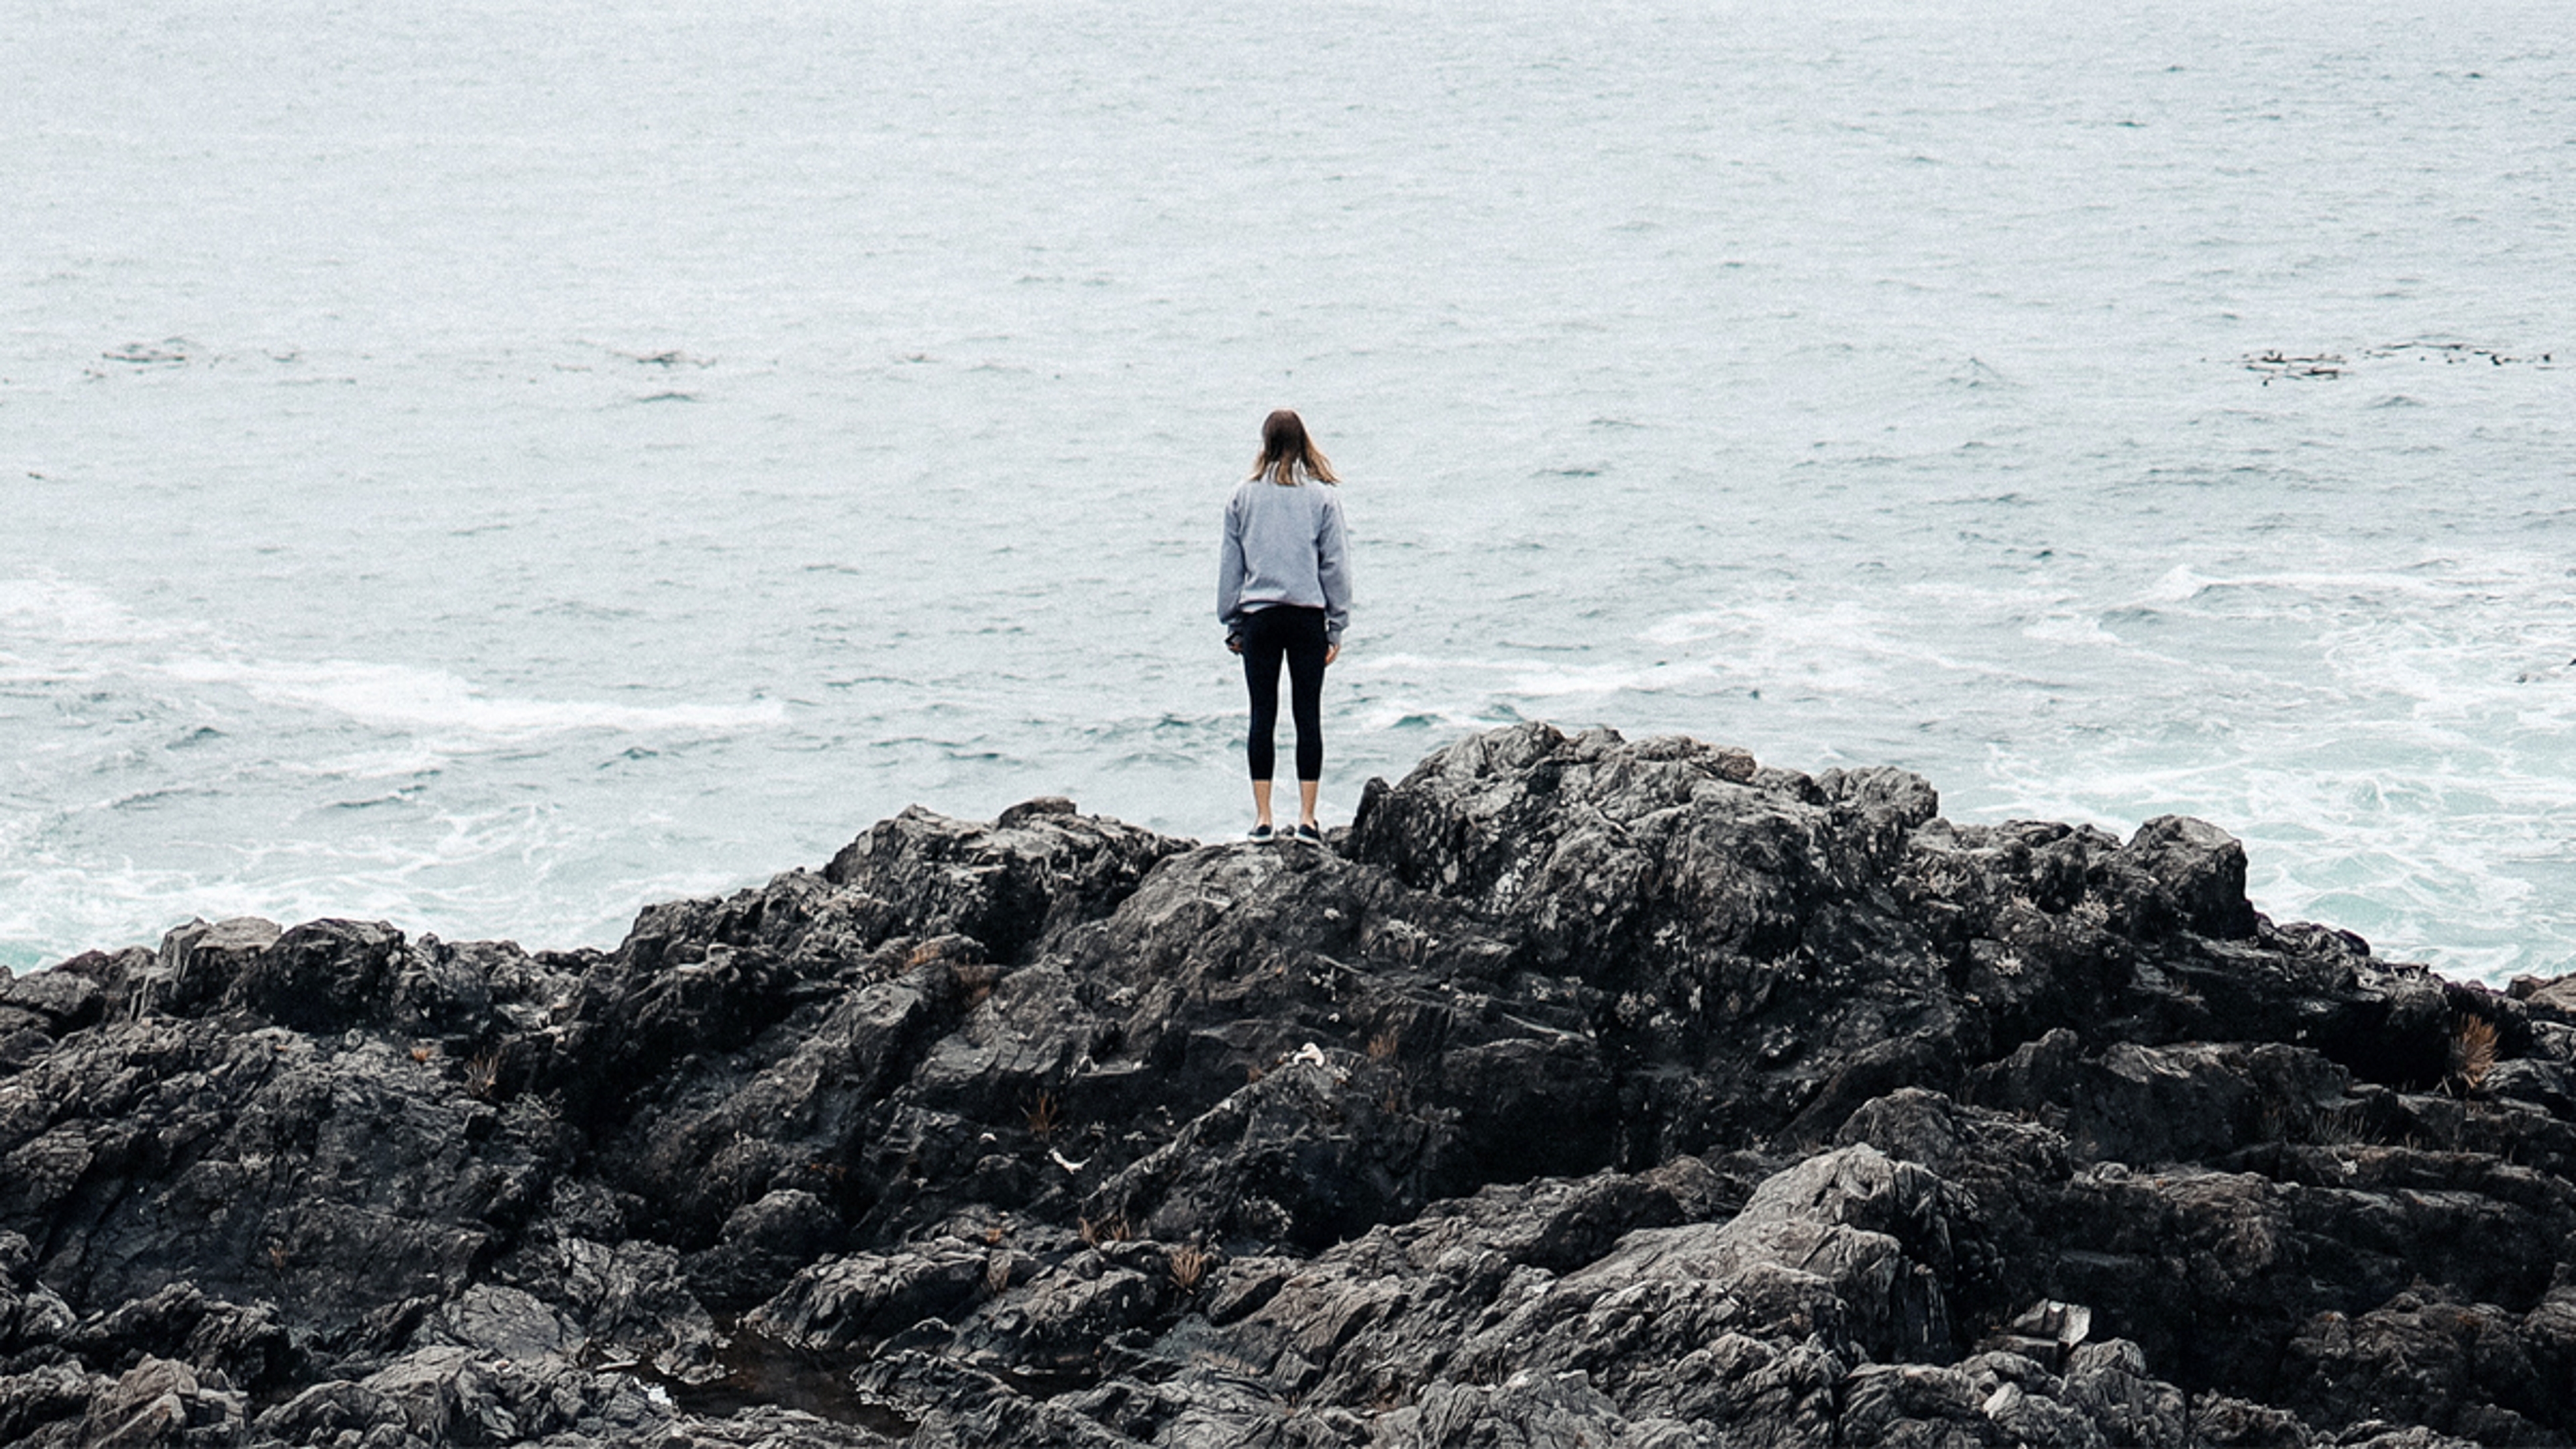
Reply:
x=1287, y=453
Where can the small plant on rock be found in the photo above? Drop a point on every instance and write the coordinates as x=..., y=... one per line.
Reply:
x=2334, y=1126
x=1382, y=1047
x=483, y=1073
x=1107, y=1230
x=2473, y=1051
x=1044, y=1114
x=1189, y=1267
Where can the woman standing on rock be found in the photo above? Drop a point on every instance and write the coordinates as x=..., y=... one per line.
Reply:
x=1283, y=590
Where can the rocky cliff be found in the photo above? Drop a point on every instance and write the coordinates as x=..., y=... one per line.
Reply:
x=1583, y=1091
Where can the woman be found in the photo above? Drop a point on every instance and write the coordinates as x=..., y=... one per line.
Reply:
x=1283, y=590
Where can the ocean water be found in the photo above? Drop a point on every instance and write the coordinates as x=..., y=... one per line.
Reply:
x=489, y=465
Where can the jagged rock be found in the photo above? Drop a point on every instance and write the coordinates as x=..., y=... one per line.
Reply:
x=1038, y=868
x=30, y=1313
x=2193, y=878
x=199, y=963
x=1586, y=1089
x=53, y=1002
x=247, y=1347
x=500, y=1322
x=629, y=1300
x=2230, y=1423
x=158, y=1402
x=1530, y=1411
x=453, y=991
x=2462, y=1368
x=323, y=976
x=258, y=1165
x=761, y=1246
x=2182, y=1103
x=1307, y=1155
x=1059, y=1321
x=868, y=1298
x=48, y=1404
x=2556, y=995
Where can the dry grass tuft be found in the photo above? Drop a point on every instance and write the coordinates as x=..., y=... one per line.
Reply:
x=483, y=1073
x=1044, y=1114
x=2473, y=1051
x=1107, y=1230
x=2336, y=1126
x=1382, y=1047
x=1189, y=1266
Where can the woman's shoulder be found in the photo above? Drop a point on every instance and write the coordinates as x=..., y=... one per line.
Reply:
x=1306, y=494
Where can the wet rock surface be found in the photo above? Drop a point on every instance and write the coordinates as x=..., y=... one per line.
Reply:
x=1582, y=1091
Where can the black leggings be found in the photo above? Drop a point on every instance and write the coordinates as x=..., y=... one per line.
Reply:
x=1298, y=634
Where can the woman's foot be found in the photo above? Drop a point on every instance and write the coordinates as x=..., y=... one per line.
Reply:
x=1262, y=832
x=1308, y=832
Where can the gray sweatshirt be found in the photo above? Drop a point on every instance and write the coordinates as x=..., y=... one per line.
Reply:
x=1284, y=545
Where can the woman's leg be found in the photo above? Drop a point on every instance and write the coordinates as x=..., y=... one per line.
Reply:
x=1262, y=647
x=1305, y=650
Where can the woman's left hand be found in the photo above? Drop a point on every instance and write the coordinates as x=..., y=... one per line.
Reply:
x=1332, y=652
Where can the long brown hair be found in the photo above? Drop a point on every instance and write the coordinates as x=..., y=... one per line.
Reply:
x=1286, y=451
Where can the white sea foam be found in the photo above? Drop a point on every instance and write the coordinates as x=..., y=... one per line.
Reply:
x=461, y=877
x=2071, y=629
x=69, y=632
x=407, y=762
x=401, y=696
x=1690, y=628
x=2179, y=584
x=1561, y=681
x=59, y=631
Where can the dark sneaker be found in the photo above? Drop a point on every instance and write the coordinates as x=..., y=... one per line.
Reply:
x=1308, y=832
x=1263, y=833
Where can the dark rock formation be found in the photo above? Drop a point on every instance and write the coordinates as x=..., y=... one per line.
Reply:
x=1582, y=1092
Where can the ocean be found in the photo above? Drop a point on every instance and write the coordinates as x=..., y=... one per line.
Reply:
x=488, y=466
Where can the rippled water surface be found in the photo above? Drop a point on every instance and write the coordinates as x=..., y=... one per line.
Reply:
x=488, y=466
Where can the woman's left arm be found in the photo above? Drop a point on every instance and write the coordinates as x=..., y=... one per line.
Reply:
x=1333, y=568
x=1229, y=568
